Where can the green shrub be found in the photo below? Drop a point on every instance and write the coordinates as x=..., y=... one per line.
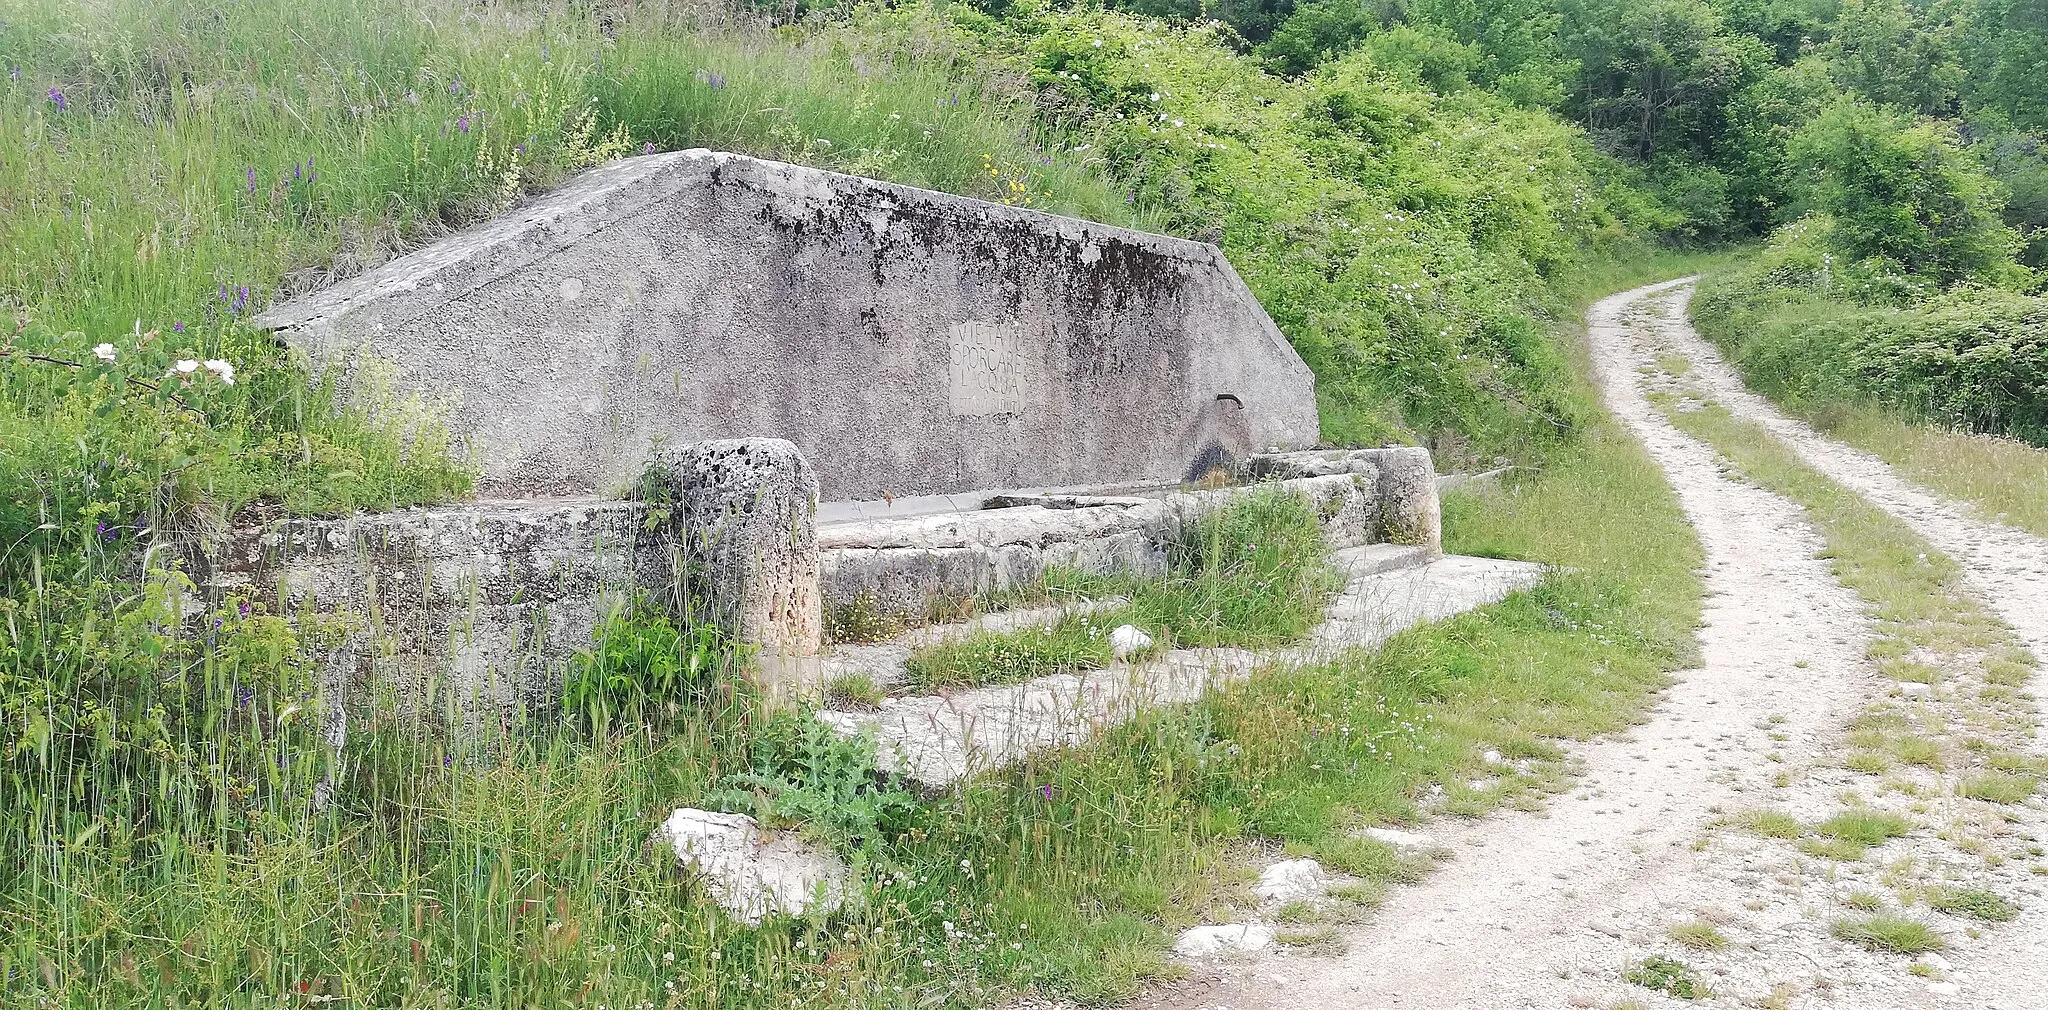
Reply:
x=805, y=775
x=640, y=662
x=1800, y=330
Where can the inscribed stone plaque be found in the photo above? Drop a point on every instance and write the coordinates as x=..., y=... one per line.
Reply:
x=988, y=368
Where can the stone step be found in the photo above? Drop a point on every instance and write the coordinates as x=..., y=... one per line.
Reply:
x=883, y=663
x=937, y=741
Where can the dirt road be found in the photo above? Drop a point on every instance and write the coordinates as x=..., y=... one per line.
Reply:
x=1552, y=909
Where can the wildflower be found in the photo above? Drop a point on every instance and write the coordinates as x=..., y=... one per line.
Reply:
x=221, y=370
x=456, y=87
x=104, y=352
x=183, y=368
x=1155, y=96
x=241, y=298
x=822, y=142
x=647, y=148
x=1045, y=790
x=1098, y=43
x=462, y=122
x=57, y=98
x=250, y=174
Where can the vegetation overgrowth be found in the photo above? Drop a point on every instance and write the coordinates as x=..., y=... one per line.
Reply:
x=1414, y=190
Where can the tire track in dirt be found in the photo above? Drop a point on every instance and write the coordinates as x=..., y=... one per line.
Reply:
x=2006, y=568
x=1548, y=909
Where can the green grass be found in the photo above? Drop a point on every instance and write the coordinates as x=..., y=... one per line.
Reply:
x=1999, y=787
x=1888, y=934
x=1698, y=935
x=1974, y=902
x=1673, y=978
x=1073, y=644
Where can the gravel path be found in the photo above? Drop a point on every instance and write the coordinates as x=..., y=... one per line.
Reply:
x=2007, y=567
x=1549, y=909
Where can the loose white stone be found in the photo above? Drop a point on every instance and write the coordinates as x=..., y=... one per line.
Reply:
x=1912, y=690
x=1209, y=941
x=1292, y=880
x=1944, y=988
x=1935, y=961
x=1398, y=839
x=1493, y=757
x=1128, y=640
x=750, y=877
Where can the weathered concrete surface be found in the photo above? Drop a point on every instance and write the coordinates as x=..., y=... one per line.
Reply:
x=939, y=740
x=897, y=565
x=908, y=342
x=753, y=874
x=743, y=520
x=472, y=608
x=1404, y=480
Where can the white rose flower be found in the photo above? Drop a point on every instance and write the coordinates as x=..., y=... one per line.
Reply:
x=104, y=352
x=222, y=370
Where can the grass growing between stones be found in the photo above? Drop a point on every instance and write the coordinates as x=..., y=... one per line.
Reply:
x=1073, y=644
x=1253, y=573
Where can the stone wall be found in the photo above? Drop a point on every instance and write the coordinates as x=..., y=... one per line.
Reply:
x=908, y=342
x=460, y=609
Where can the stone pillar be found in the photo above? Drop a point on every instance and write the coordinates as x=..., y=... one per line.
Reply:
x=1409, y=510
x=743, y=515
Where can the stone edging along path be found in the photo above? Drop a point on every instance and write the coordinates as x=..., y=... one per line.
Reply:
x=1550, y=908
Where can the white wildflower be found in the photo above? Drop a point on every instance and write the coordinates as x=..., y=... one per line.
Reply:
x=1155, y=96
x=1098, y=43
x=104, y=352
x=222, y=370
x=183, y=368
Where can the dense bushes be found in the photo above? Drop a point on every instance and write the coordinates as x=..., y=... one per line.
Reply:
x=1804, y=330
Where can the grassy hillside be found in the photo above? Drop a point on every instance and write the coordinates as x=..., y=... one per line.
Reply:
x=169, y=167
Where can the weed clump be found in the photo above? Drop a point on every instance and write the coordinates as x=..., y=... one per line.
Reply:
x=1973, y=902
x=1891, y=934
x=1673, y=978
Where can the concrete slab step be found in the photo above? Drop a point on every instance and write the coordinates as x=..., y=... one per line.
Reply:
x=938, y=741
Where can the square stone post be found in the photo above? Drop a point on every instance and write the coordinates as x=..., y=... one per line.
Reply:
x=743, y=518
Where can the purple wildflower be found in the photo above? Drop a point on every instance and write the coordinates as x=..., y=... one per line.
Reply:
x=718, y=82
x=455, y=88
x=178, y=327
x=108, y=532
x=519, y=148
x=647, y=148
x=223, y=295
x=1045, y=790
x=295, y=171
x=250, y=174
x=244, y=695
x=244, y=608
x=241, y=299
x=462, y=122
x=57, y=98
